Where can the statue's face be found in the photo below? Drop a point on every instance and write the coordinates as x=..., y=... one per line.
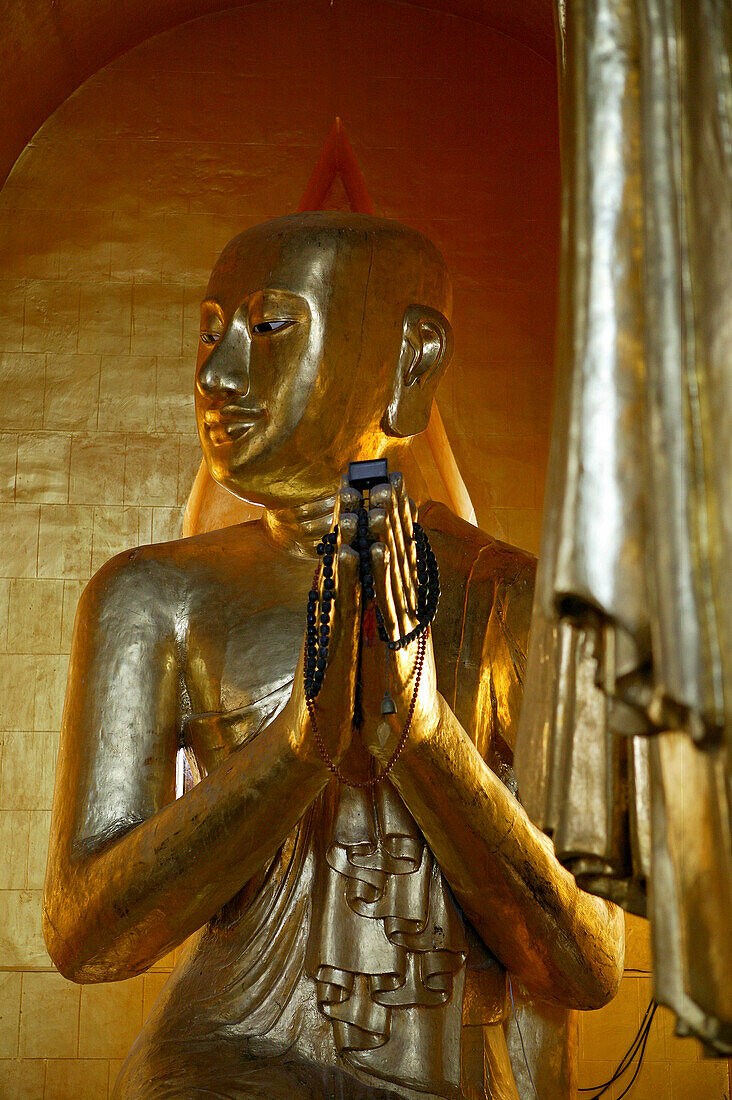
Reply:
x=261, y=347
x=300, y=345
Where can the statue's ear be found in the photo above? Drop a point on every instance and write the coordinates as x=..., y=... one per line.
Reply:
x=426, y=350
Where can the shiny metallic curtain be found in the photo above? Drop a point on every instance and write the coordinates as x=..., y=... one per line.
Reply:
x=626, y=731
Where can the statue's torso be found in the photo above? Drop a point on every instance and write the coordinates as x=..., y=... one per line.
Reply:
x=240, y=1015
x=243, y=1000
x=245, y=624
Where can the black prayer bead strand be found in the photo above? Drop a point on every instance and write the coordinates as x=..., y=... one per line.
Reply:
x=363, y=545
x=318, y=629
x=317, y=636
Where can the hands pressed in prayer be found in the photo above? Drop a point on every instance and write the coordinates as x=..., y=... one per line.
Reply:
x=393, y=564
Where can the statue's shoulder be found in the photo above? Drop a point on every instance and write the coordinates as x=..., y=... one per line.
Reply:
x=482, y=628
x=480, y=559
x=157, y=579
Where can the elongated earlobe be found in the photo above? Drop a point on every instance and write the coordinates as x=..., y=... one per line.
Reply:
x=427, y=344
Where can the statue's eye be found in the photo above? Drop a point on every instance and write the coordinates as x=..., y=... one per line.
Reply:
x=210, y=337
x=270, y=326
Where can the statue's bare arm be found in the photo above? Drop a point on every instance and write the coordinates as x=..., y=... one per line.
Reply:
x=564, y=944
x=132, y=872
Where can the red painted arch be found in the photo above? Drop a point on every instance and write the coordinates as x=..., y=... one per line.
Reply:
x=48, y=48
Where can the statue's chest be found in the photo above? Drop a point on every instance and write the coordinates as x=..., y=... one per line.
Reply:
x=242, y=653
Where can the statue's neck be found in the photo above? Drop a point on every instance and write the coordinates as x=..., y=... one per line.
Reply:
x=299, y=530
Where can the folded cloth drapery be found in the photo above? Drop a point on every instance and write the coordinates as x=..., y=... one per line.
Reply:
x=632, y=621
x=387, y=943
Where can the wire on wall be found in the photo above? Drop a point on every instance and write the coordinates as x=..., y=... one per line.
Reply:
x=636, y=1050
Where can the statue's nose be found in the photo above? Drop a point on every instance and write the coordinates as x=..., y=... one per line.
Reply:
x=227, y=367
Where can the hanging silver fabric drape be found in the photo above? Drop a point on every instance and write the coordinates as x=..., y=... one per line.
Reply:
x=626, y=729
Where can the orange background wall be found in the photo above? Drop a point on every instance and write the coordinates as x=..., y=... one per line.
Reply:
x=109, y=224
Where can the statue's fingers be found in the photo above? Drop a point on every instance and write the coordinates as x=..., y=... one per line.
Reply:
x=343, y=621
x=347, y=502
x=380, y=528
x=397, y=569
x=400, y=570
x=380, y=495
x=347, y=578
x=403, y=503
x=382, y=586
x=404, y=540
x=346, y=621
x=377, y=524
x=408, y=516
x=349, y=499
x=348, y=528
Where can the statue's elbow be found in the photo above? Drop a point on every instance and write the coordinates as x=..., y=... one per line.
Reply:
x=608, y=962
x=69, y=952
x=63, y=952
x=71, y=961
x=603, y=988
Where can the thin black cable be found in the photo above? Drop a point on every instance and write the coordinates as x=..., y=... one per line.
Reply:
x=640, y=1060
x=627, y=1057
x=638, y=1045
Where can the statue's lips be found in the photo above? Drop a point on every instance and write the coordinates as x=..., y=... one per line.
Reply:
x=231, y=422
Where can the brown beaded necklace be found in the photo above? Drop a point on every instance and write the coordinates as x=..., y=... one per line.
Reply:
x=374, y=780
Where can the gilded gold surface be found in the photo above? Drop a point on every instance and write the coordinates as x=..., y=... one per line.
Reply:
x=137, y=191
x=197, y=642
x=58, y=223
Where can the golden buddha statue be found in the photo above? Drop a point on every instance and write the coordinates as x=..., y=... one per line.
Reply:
x=345, y=940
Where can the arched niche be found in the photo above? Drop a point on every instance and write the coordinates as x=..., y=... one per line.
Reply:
x=120, y=203
x=109, y=223
x=48, y=48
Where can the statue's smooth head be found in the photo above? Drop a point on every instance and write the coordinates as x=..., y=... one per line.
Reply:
x=323, y=338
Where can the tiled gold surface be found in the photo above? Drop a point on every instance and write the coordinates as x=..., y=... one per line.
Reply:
x=109, y=225
x=19, y=525
x=71, y=393
x=110, y=1018
x=82, y=1077
x=152, y=984
x=28, y=763
x=49, y=1016
x=21, y=936
x=14, y=844
x=10, y=986
x=97, y=468
x=34, y=615
x=124, y=400
x=39, y=823
x=22, y=1079
x=64, y=541
x=673, y=1068
x=42, y=475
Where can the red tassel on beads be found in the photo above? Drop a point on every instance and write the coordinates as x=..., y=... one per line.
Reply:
x=369, y=628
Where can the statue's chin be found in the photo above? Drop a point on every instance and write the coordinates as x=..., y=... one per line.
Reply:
x=272, y=492
x=274, y=471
